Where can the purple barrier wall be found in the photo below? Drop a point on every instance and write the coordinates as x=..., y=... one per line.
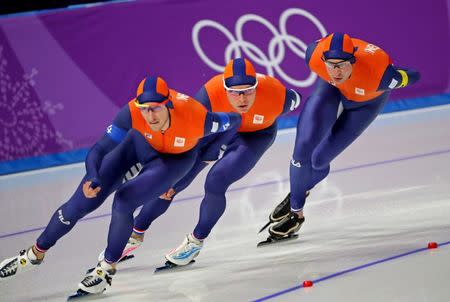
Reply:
x=64, y=74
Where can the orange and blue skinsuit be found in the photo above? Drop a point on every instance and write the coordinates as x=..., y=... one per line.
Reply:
x=165, y=156
x=244, y=148
x=322, y=134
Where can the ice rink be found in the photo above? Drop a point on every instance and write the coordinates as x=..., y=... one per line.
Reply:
x=388, y=195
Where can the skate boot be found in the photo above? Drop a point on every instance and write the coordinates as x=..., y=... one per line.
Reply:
x=97, y=279
x=186, y=252
x=25, y=261
x=281, y=211
x=132, y=244
x=287, y=227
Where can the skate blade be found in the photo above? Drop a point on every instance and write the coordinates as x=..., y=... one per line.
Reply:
x=169, y=266
x=271, y=240
x=81, y=295
x=125, y=258
x=265, y=226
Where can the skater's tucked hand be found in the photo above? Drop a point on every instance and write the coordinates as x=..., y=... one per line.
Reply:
x=168, y=195
x=88, y=191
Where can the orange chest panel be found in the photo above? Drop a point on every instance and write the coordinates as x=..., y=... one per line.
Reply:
x=187, y=121
x=371, y=63
x=268, y=105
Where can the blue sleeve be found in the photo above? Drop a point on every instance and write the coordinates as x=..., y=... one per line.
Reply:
x=120, y=126
x=292, y=101
x=394, y=78
x=309, y=51
x=113, y=136
x=123, y=118
x=115, y=133
x=221, y=121
x=203, y=97
x=96, y=153
x=219, y=129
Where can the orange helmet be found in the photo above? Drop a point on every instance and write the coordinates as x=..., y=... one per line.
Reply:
x=152, y=90
x=239, y=72
x=339, y=46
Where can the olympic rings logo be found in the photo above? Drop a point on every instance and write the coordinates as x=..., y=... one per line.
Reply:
x=276, y=49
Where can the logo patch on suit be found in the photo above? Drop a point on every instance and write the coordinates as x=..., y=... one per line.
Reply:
x=182, y=97
x=258, y=119
x=225, y=126
x=179, y=141
x=295, y=163
x=359, y=91
x=393, y=84
x=215, y=127
x=148, y=135
x=370, y=48
x=61, y=217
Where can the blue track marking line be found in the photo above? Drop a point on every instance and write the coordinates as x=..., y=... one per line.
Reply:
x=340, y=273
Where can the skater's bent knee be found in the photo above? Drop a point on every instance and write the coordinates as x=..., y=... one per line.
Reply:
x=216, y=184
x=319, y=162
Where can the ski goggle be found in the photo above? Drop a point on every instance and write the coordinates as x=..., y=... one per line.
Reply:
x=151, y=106
x=243, y=91
x=338, y=65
